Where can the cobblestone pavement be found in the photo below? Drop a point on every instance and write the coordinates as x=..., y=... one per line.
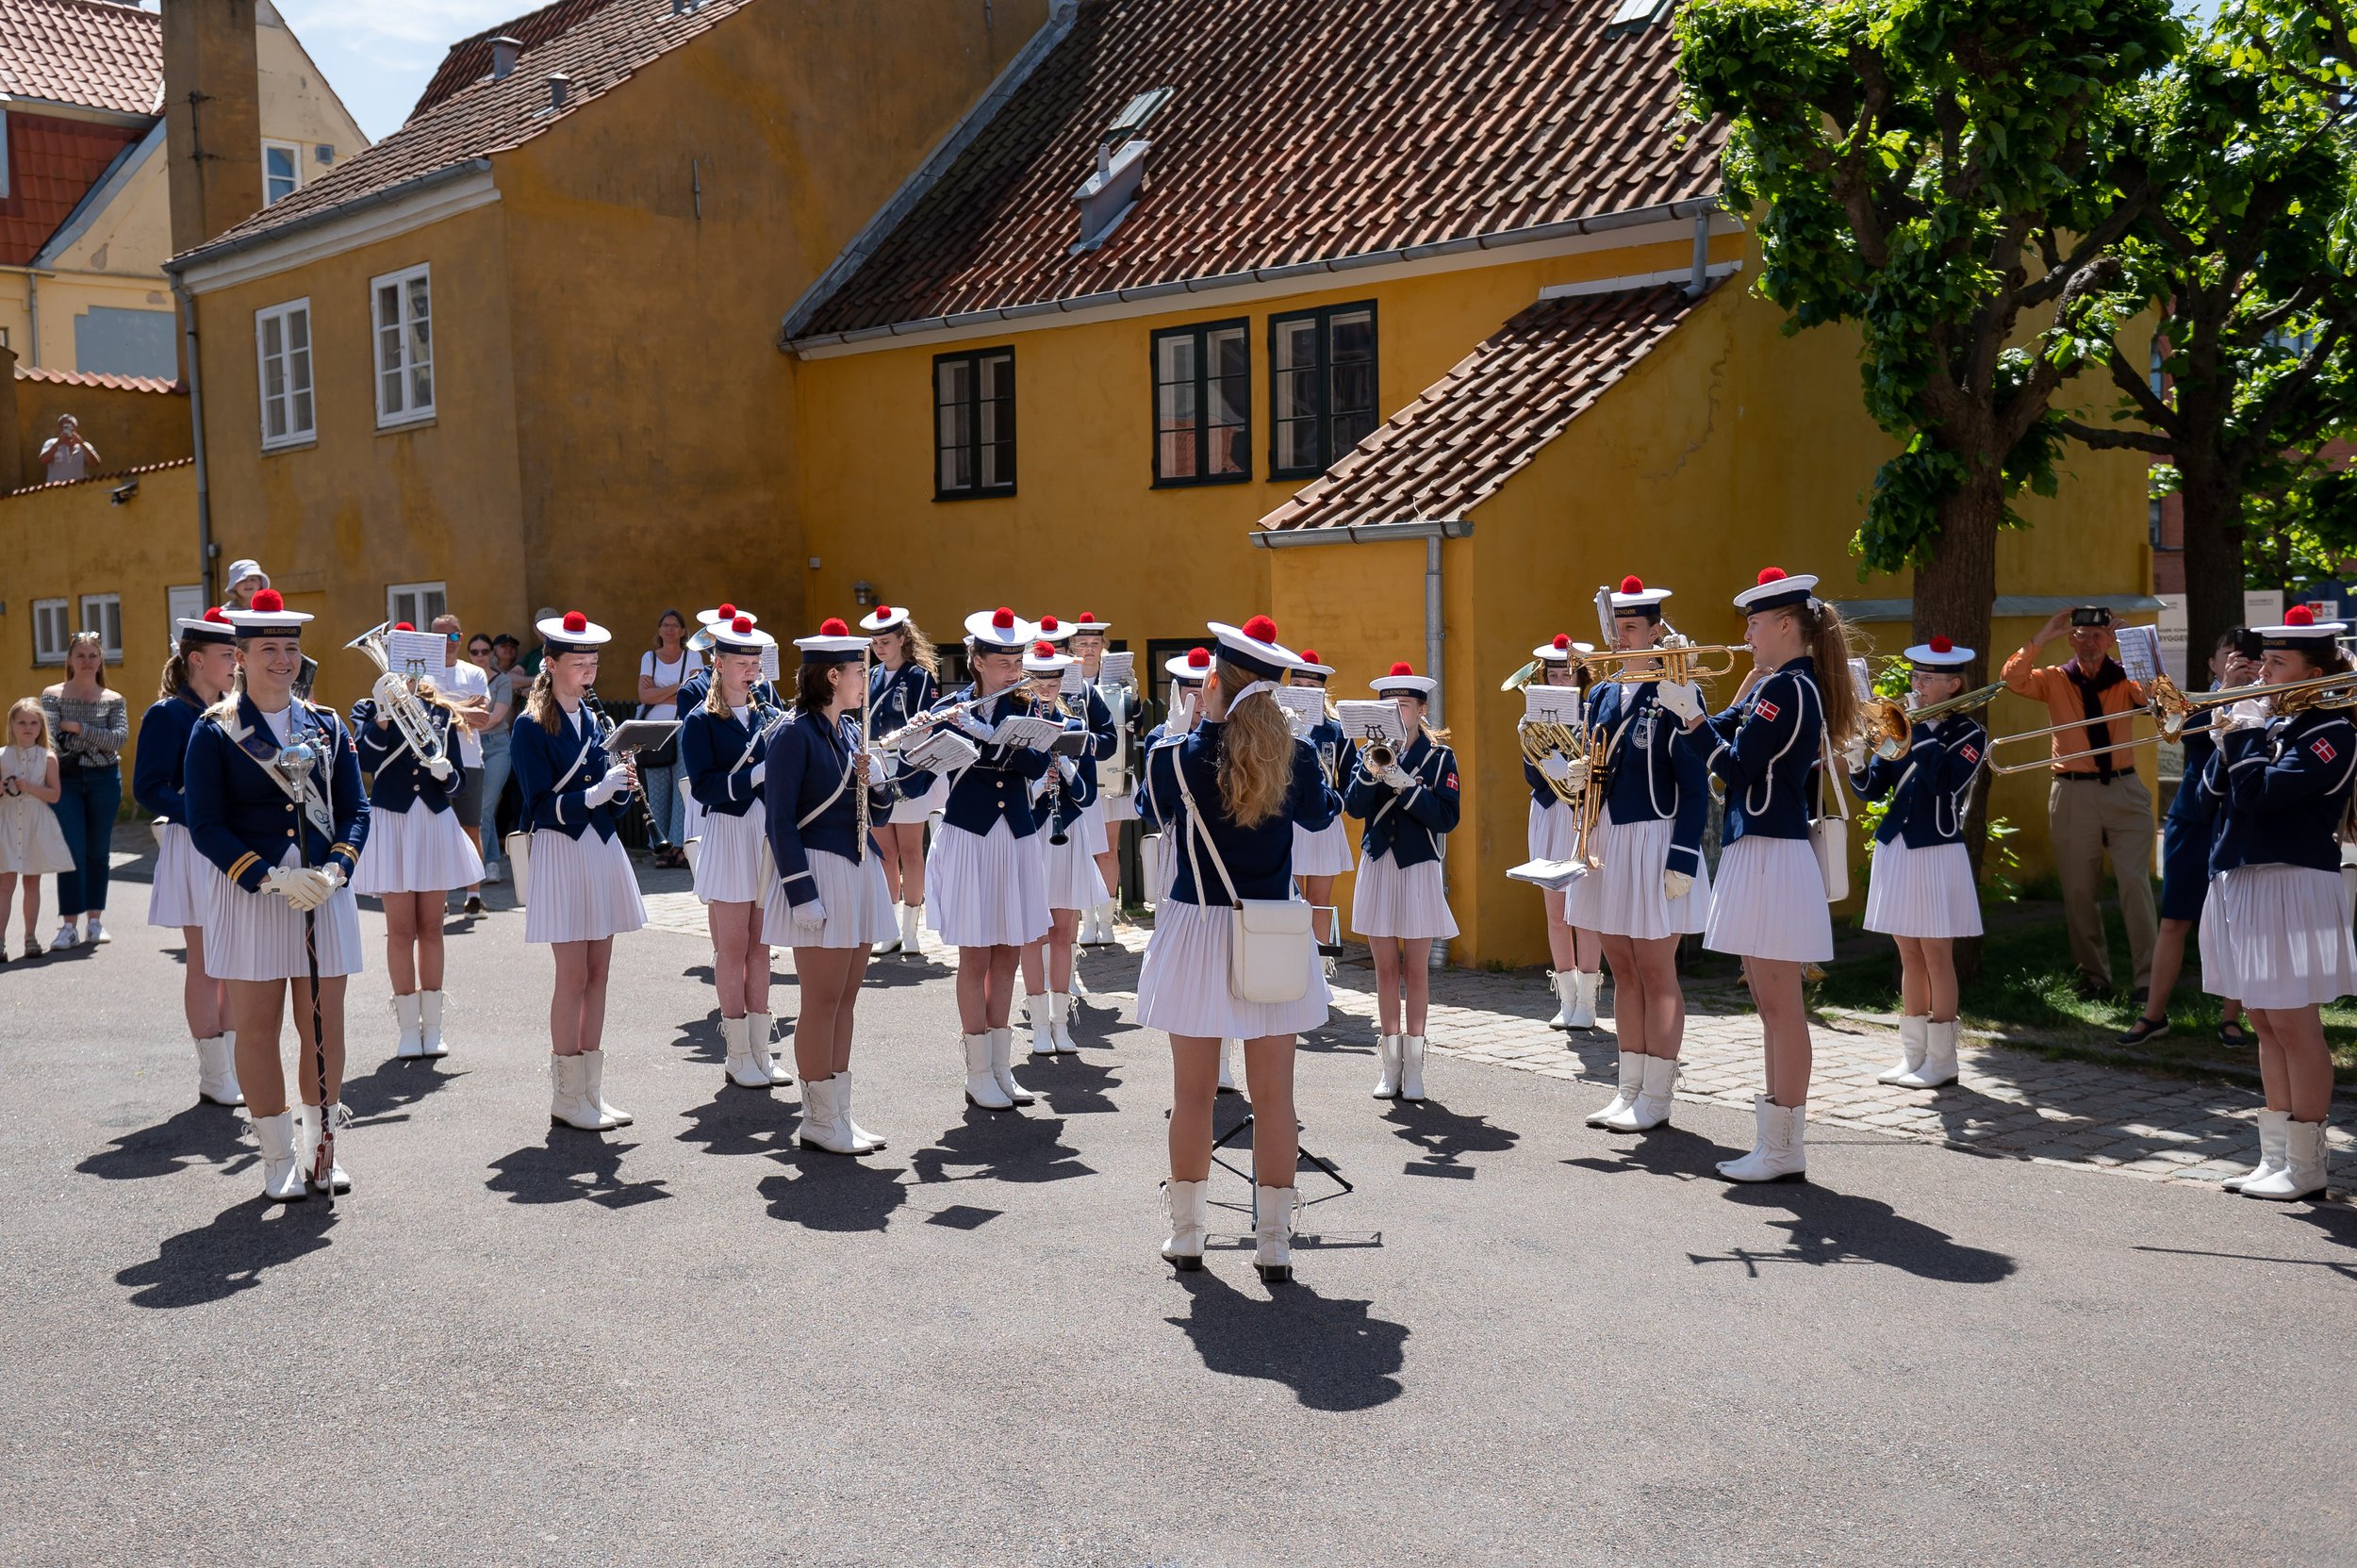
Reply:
x=2009, y=1102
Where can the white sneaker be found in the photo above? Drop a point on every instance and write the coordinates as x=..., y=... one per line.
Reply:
x=67, y=938
x=492, y=875
x=97, y=936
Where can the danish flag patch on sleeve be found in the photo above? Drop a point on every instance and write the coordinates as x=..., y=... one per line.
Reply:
x=1452, y=778
x=1972, y=752
x=1766, y=711
x=2323, y=749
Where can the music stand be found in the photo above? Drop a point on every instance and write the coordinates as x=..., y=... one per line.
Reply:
x=1302, y=1151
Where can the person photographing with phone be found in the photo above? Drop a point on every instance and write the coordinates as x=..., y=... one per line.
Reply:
x=2096, y=804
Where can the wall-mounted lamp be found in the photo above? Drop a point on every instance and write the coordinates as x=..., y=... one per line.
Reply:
x=124, y=493
x=863, y=594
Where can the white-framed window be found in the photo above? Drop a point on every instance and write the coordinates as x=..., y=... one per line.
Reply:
x=282, y=348
x=419, y=603
x=49, y=630
x=281, y=171
x=102, y=613
x=182, y=601
x=401, y=305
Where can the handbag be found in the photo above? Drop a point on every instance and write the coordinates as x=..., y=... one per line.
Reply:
x=1270, y=949
x=1829, y=835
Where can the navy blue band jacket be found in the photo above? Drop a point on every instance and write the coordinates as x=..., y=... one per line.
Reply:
x=810, y=800
x=723, y=756
x=1259, y=860
x=2193, y=805
x=1930, y=786
x=240, y=816
x=1765, y=748
x=1407, y=825
x=1647, y=775
x=397, y=780
x=2282, y=791
x=896, y=696
x=163, y=755
x=556, y=771
x=996, y=786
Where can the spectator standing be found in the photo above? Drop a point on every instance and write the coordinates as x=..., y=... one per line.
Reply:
x=66, y=455
x=500, y=696
x=539, y=650
x=32, y=845
x=90, y=725
x=2096, y=804
x=469, y=685
x=662, y=670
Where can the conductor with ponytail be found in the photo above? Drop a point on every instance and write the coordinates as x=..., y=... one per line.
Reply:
x=1767, y=905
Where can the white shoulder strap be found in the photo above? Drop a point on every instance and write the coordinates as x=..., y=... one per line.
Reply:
x=1195, y=831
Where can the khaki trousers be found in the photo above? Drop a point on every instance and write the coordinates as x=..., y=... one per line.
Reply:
x=2086, y=821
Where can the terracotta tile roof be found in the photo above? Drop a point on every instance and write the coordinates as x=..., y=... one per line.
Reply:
x=52, y=164
x=92, y=53
x=1481, y=425
x=469, y=59
x=1298, y=132
x=98, y=378
x=599, y=53
x=113, y=475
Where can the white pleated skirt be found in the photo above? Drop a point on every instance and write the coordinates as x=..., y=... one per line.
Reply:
x=1550, y=831
x=1091, y=828
x=1389, y=901
x=1922, y=892
x=417, y=849
x=181, y=893
x=1769, y=903
x=732, y=864
x=2277, y=937
x=930, y=803
x=1323, y=854
x=854, y=895
x=259, y=935
x=1625, y=898
x=583, y=889
x=1069, y=869
x=1118, y=808
x=1182, y=987
x=985, y=891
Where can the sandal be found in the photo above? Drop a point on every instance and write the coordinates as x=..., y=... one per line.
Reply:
x=2143, y=1029
x=2231, y=1032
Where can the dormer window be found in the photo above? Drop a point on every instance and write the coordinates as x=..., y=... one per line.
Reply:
x=1110, y=190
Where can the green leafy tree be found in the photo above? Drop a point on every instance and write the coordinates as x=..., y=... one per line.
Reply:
x=2246, y=243
x=1925, y=171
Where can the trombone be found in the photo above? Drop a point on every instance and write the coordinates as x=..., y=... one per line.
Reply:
x=1889, y=723
x=2168, y=707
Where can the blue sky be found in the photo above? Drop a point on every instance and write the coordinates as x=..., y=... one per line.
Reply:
x=378, y=54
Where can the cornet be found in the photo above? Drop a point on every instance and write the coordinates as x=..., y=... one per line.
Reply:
x=400, y=703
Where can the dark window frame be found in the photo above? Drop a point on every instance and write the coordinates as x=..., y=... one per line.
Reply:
x=1200, y=332
x=974, y=359
x=1324, y=317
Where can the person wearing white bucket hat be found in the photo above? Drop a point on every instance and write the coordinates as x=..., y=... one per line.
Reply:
x=904, y=681
x=723, y=749
x=1400, y=903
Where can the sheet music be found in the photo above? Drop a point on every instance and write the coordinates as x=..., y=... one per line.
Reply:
x=1373, y=720
x=1304, y=705
x=1553, y=875
x=414, y=653
x=770, y=664
x=1119, y=669
x=943, y=751
x=1863, y=678
x=1552, y=704
x=1074, y=684
x=1026, y=731
x=2139, y=652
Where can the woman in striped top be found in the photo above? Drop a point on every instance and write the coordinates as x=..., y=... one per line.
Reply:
x=91, y=724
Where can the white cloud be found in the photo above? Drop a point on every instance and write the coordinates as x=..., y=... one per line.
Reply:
x=379, y=54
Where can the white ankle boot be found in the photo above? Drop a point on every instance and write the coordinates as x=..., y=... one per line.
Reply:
x=1940, y=1058
x=1108, y=923
x=863, y=1141
x=1059, y=1021
x=1411, y=1066
x=596, y=1086
x=1632, y=1081
x=307, y=1119
x=570, y=1104
x=1188, y=1208
x=760, y=1042
x=1566, y=994
x=981, y=1084
x=216, y=1071
x=1654, y=1094
x=1386, y=1081
x=2303, y=1172
x=1273, y=1234
x=1227, y=1067
x=1002, y=1066
x=429, y=1025
x=282, y=1174
x=1778, y=1153
x=1036, y=1013
x=825, y=1126
x=2274, y=1133
x=745, y=1069
x=1912, y=1030
x=912, y=930
x=1582, y=1013
x=406, y=1020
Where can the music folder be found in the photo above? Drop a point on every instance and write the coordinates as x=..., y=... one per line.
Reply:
x=640, y=734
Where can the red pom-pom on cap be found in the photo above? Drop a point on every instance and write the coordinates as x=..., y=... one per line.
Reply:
x=1260, y=629
x=1309, y=655
x=268, y=602
x=1632, y=583
x=576, y=621
x=727, y=612
x=1199, y=658
x=1941, y=645
x=2300, y=614
x=402, y=626
x=1563, y=639
x=1403, y=668
x=1049, y=623
x=1043, y=650
x=1088, y=618
x=744, y=623
x=217, y=616
x=1770, y=574
x=884, y=610
x=1002, y=619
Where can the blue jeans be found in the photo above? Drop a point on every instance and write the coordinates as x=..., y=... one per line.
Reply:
x=89, y=799
x=495, y=770
x=663, y=803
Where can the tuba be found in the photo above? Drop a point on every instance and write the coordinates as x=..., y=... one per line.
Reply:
x=398, y=700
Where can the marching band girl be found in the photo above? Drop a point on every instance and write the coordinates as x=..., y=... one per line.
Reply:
x=200, y=673
x=1922, y=892
x=1238, y=785
x=904, y=682
x=1187, y=672
x=1322, y=854
x=990, y=886
x=1400, y=903
x=692, y=692
x=272, y=792
x=1577, y=950
x=418, y=850
x=1652, y=887
x=724, y=744
x=1111, y=808
x=583, y=891
x=1769, y=907
x=2275, y=934
x=1061, y=800
x=829, y=897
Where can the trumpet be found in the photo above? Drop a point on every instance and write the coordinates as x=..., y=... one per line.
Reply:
x=2168, y=707
x=400, y=703
x=1888, y=723
x=1673, y=660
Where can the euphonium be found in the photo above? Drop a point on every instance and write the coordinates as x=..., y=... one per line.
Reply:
x=1543, y=740
x=397, y=702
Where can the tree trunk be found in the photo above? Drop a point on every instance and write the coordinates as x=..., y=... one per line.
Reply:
x=2214, y=562
x=1955, y=593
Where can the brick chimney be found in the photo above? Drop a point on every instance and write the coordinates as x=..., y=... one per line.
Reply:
x=212, y=116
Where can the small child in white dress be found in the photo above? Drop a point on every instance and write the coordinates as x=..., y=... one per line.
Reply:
x=32, y=845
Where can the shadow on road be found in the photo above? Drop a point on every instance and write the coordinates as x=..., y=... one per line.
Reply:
x=1073, y=1085
x=1828, y=1228
x=702, y=1039
x=201, y=1135
x=397, y=1083
x=1446, y=1136
x=229, y=1255
x=1333, y=1353
x=1001, y=1146
x=572, y=1165
x=833, y=1192
x=742, y=1121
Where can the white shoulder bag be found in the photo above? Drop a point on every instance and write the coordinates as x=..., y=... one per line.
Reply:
x=1829, y=833
x=1271, y=952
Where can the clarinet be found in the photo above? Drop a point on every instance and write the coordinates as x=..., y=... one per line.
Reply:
x=607, y=723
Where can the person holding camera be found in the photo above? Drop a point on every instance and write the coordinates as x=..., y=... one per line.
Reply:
x=66, y=456
x=2096, y=804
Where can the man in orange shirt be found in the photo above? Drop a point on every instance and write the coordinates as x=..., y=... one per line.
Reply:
x=2096, y=804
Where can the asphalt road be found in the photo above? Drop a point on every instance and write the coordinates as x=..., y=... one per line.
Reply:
x=1517, y=1341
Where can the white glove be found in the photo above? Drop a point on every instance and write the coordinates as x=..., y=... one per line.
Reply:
x=1578, y=772
x=1556, y=768
x=974, y=726
x=1854, y=753
x=281, y=880
x=879, y=768
x=1683, y=699
x=1070, y=769
x=617, y=780
x=440, y=768
x=1396, y=776
x=306, y=889
x=1675, y=886
x=761, y=772
x=810, y=917
x=2249, y=714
